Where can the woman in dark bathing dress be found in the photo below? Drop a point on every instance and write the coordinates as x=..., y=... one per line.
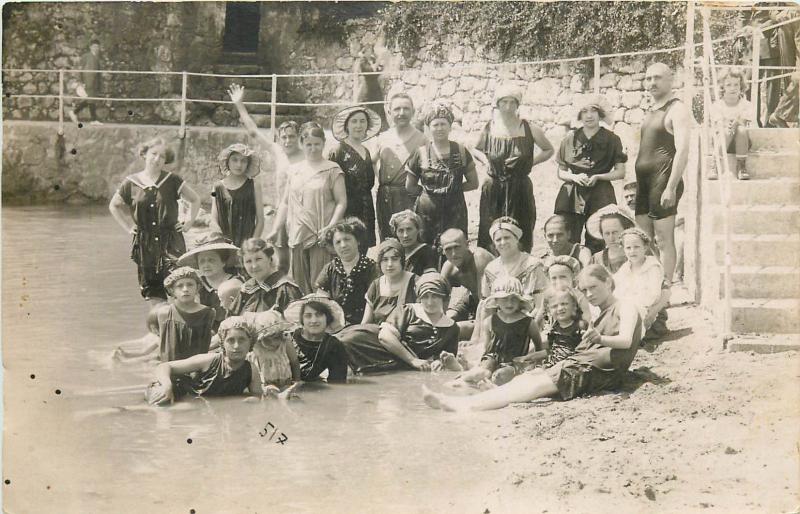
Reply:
x=506, y=146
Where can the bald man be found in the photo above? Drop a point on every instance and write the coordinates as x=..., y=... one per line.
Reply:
x=463, y=268
x=663, y=153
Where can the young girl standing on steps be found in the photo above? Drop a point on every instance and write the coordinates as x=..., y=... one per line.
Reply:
x=184, y=327
x=238, y=206
x=146, y=206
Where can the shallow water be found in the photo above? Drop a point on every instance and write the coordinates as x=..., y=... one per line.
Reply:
x=70, y=296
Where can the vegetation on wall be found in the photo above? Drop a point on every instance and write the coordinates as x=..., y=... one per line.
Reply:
x=541, y=30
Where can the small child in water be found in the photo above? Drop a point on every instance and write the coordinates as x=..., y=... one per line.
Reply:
x=274, y=358
x=185, y=326
x=207, y=374
x=145, y=347
x=506, y=335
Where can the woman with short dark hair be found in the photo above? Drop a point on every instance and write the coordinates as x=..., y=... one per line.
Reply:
x=348, y=276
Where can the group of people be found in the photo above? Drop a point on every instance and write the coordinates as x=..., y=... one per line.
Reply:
x=243, y=311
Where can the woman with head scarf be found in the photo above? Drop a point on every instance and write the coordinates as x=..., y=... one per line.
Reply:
x=506, y=147
x=589, y=158
x=439, y=172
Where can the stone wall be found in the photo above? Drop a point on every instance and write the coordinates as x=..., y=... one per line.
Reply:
x=88, y=164
x=145, y=36
x=467, y=77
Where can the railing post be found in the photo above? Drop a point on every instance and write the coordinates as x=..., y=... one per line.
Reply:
x=355, y=87
x=273, y=111
x=755, y=85
x=596, y=74
x=688, y=60
x=184, y=84
x=60, y=102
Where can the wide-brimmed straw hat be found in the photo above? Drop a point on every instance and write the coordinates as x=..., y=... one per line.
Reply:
x=292, y=311
x=339, y=123
x=593, y=223
x=509, y=287
x=212, y=242
x=253, y=160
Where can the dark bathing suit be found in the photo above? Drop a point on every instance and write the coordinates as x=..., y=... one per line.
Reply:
x=654, y=165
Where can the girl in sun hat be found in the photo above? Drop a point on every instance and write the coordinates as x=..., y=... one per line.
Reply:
x=351, y=127
x=506, y=148
x=273, y=358
x=589, y=159
x=212, y=256
x=506, y=333
x=185, y=325
x=238, y=208
x=608, y=223
x=317, y=349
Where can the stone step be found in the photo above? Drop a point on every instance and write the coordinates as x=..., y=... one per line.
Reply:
x=760, y=250
x=773, y=165
x=774, y=139
x=758, y=219
x=237, y=69
x=765, y=315
x=760, y=344
x=778, y=191
x=762, y=282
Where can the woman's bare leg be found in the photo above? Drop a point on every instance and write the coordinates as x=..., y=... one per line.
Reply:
x=524, y=388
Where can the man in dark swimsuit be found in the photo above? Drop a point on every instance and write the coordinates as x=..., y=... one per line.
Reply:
x=663, y=153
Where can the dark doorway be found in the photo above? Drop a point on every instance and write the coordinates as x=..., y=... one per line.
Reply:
x=242, y=20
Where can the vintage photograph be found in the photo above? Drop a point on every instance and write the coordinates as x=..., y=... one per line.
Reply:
x=401, y=257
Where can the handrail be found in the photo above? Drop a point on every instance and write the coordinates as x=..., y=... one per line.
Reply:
x=273, y=103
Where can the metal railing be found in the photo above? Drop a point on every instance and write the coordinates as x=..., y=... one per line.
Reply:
x=273, y=103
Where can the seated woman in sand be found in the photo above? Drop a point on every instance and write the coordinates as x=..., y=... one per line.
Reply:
x=601, y=360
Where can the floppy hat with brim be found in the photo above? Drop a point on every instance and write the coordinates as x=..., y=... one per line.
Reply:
x=253, y=160
x=339, y=123
x=509, y=287
x=268, y=323
x=213, y=242
x=292, y=311
x=593, y=223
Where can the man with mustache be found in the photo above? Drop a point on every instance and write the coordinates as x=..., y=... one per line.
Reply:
x=663, y=154
x=394, y=147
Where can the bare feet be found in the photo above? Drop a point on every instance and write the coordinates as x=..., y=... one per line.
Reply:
x=433, y=400
x=449, y=362
x=462, y=360
x=503, y=375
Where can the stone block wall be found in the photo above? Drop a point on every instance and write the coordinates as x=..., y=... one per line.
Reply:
x=88, y=164
x=144, y=36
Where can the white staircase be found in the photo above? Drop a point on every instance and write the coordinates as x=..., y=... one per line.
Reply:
x=764, y=223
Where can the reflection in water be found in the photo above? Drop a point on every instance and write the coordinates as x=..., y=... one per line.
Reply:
x=70, y=296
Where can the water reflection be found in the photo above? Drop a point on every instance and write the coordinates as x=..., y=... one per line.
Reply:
x=70, y=295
